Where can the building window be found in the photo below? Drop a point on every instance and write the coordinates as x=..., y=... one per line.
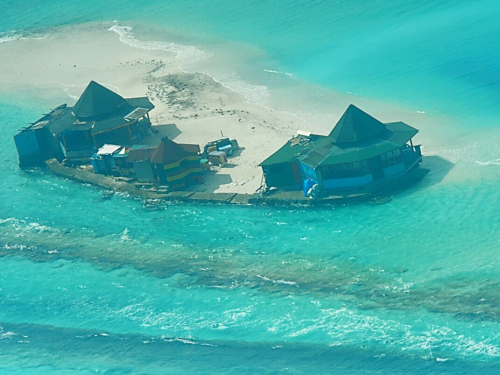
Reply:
x=391, y=158
x=345, y=170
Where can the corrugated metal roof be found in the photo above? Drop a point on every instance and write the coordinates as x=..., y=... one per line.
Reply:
x=136, y=114
x=108, y=149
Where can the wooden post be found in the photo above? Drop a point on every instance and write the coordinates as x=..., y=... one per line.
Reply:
x=64, y=141
x=130, y=135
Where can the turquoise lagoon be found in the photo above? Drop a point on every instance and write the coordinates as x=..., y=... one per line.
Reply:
x=91, y=285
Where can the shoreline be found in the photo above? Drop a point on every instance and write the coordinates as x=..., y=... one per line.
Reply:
x=151, y=198
x=191, y=107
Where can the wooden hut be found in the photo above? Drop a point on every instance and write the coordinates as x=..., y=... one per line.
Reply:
x=139, y=163
x=99, y=116
x=359, y=152
x=177, y=165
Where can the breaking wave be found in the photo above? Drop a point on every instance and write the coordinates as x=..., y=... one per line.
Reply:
x=10, y=38
x=494, y=163
x=182, y=52
x=191, y=55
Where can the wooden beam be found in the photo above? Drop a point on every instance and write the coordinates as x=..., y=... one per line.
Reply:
x=64, y=141
x=130, y=135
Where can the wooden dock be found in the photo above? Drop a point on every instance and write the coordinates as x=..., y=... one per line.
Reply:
x=277, y=198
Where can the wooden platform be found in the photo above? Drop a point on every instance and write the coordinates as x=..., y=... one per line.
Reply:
x=274, y=198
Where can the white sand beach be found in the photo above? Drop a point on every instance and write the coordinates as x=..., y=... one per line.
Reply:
x=190, y=107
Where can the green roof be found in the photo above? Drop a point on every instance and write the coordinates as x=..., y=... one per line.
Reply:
x=355, y=126
x=395, y=136
x=294, y=148
x=356, y=137
x=97, y=101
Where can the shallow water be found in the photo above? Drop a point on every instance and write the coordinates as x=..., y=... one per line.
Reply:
x=434, y=56
x=93, y=285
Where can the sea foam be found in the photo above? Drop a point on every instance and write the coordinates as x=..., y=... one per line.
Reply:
x=10, y=38
x=185, y=53
x=190, y=58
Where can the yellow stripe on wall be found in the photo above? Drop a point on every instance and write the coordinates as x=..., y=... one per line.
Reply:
x=178, y=163
x=184, y=174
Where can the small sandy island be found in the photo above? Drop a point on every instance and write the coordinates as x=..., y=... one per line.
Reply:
x=190, y=107
x=58, y=64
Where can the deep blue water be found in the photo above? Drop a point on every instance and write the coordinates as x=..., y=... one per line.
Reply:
x=93, y=285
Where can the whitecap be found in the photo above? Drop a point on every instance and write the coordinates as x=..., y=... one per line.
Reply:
x=494, y=163
x=10, y=38
x=278, y=72
x=183, y=52
x=190, y=55
x=285, y=282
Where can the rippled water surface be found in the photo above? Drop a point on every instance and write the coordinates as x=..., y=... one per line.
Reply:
x=94, y=285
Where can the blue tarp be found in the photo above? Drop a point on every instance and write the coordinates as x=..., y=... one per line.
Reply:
x=308, y=184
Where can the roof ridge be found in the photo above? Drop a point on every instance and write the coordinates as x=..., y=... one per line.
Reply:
x=96, y=101
x=356, y=125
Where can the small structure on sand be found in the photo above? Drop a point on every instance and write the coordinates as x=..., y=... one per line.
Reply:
x=100, y=116
x=171, y=165
x=177, y=165
x=359, y=153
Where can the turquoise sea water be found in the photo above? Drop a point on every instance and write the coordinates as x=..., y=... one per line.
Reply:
x=91, y=285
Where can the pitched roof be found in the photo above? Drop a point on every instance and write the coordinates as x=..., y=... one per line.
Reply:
x=139, y=153
x=97, y=101
x=356, y=137
x=294, y=148
x=356, y=125
x=190, y=147
x=169, y=152
x=395, y=136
